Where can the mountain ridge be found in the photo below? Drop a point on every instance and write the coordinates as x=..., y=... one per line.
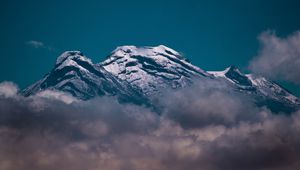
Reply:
x=137, y=74
x=74, y=73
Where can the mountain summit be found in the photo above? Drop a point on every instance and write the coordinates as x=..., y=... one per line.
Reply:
x=151, y=68
x=76, y=74
x=137, y=74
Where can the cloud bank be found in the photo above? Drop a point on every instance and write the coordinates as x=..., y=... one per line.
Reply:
x=279, y=58
x=202, y=127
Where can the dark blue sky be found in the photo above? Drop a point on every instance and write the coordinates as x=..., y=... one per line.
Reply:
x=212, y=34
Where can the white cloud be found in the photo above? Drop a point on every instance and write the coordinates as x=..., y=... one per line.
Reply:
x=279, y=58
x=39, y=45
x=57, y=95
x=8, y=89
x=35, y=44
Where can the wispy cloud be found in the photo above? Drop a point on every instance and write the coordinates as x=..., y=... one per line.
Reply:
x=39, y=45
x=279, y=58
x=35, y=44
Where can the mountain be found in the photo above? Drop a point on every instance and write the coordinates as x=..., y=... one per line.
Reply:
x=136, y=74
x=264, y=91
x=151, y=68
x=76, y=74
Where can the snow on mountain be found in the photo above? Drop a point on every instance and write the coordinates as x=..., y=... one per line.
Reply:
x=151, y=68
x=76, y=74
x=135, y=74
x=268, y=87
x=258, y=86
x=233, y=75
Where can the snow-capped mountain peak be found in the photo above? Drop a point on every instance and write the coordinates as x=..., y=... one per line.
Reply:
x=72, y=58
x=232, y=74
x=69, y=55
x=151, y=68
x=228, y=70
x=135, y=74
x=145, y=51
x=74, y=73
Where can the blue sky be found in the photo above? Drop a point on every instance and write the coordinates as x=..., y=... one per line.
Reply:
x=212, y=34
